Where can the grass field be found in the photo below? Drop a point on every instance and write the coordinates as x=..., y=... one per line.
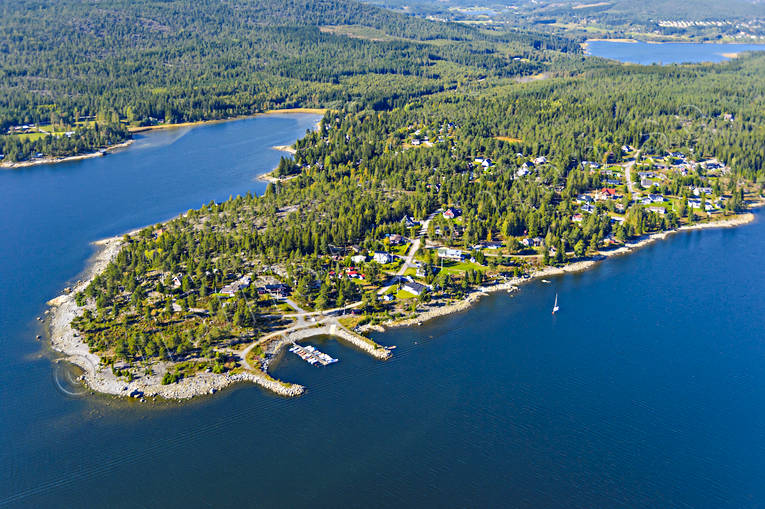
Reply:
x=454, y=267
x=404, y=295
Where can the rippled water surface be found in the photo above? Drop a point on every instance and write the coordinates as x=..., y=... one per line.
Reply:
x=668, y=53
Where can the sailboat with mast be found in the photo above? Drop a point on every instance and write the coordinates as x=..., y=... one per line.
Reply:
x=555, y=306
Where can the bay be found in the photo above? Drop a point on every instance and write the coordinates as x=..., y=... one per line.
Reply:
x=646, y=53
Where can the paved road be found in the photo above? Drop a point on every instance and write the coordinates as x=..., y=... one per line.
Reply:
x=628, y=173
x=329, y=320
x=303, y=313
x=409, y=257
x=409, y=260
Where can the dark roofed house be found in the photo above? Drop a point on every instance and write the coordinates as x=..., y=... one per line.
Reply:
x=414, y=287
x=395, y=239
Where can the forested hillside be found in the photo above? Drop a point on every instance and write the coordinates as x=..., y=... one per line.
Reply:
x=148, y=61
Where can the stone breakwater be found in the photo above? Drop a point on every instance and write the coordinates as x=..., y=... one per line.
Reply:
x=338, y=331
x=186, y=388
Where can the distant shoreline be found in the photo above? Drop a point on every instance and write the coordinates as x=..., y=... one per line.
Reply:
x=196, y=123
x=66, y=159
x=585, y=44
x=136, y=130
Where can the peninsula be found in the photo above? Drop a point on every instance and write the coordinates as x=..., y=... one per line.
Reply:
x=451, y=160
x=383, y=219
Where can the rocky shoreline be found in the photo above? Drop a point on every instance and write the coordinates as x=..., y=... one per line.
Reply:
x=56, y=160
x=101, y=379
x=512, y=284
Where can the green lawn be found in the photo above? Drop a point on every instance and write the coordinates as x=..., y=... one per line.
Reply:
x=454, y=267
x=403, y=295
x=400, y=249
x=31, y=136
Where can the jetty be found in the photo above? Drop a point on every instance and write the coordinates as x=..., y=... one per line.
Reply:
x=311, y=355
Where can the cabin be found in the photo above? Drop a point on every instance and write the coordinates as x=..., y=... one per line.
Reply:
x=450, y=254
x=522, y=171
x=409, y=222
x=279, y=290
x=358, y=259
x=536, y=241
x=649, y=183
x=451, y=213
x=414, y=288
x=699, y=190
x=232, y=288
x=352, y=273
x=382, y=257
x=607, y=193
x=395, y=239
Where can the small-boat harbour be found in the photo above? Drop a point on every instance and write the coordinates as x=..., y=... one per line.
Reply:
x=311, y=355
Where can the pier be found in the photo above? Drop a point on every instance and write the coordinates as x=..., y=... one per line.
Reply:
x=311, y=355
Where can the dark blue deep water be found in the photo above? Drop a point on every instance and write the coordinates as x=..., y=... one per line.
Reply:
x=668, y=53
x=647, y=390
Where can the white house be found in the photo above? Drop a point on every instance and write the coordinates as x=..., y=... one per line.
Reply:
x=382, y=257
x=450, y=254
x=240, y=284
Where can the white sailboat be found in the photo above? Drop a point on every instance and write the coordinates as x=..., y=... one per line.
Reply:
x=555, y=306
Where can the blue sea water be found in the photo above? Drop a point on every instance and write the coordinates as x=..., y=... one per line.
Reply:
x=646, y=390
x=667, y=53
